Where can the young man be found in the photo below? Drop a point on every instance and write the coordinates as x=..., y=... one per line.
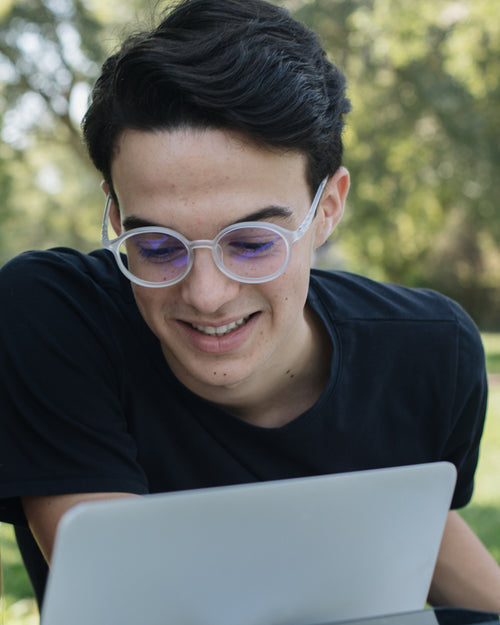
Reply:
x=210, y=353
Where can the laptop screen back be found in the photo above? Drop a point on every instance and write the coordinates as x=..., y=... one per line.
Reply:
x=289, y=552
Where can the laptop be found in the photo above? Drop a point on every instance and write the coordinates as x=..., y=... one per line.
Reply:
x=289, y=552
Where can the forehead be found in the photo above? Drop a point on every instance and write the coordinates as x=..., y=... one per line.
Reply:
x=197, y=173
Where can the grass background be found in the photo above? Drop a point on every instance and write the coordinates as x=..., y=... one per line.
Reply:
x=17, y=606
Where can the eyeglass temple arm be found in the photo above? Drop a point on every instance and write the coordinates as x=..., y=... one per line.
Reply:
x=312, y=211
x=104, y=231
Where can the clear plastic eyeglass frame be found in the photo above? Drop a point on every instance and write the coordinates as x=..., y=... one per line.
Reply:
x=288, y=236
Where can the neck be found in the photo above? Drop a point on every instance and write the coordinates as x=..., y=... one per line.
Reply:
x=292, y=390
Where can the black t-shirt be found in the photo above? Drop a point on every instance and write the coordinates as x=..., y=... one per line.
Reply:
x=88, y=403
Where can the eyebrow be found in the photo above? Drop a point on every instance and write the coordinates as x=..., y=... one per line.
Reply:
x=270, y=212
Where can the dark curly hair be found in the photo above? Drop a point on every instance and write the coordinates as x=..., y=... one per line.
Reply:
x=241, y=65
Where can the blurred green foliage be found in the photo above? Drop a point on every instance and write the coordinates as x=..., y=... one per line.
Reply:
x=422, y=144
x=422, y=141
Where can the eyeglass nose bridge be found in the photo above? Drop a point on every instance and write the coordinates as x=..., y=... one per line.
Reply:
x=206, y=243
x=211, y=245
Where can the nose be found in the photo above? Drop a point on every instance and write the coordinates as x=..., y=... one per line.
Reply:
x=205, y=287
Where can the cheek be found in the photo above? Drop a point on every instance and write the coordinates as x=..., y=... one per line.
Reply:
x=303, y=252
x=289, y=293
x=298, y=271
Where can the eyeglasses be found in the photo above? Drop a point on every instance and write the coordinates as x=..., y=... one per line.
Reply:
x=249, y=252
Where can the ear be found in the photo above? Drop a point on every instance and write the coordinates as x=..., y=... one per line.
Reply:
x=114, y=211
x=331, y=206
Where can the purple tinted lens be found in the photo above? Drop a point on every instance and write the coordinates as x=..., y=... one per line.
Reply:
x=253, y=252
x=155, y=256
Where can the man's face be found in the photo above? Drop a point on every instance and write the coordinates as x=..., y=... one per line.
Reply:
x=220, y=337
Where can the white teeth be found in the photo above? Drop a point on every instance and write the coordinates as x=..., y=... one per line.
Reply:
x=220, y=330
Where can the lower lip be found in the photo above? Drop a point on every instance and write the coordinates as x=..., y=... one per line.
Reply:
x=211, y=344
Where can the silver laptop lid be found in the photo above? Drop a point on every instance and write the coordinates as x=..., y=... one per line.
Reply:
x=288, y=552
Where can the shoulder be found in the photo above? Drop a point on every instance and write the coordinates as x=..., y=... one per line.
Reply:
x=427, y=319
x=64, y=274
x=61, y=264
x=59, y=290
x=352, y=297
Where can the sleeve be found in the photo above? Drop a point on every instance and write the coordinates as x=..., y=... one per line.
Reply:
x=62, y=426
x=468, y=408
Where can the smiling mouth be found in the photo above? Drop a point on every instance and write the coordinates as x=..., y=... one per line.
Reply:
x=221, y=330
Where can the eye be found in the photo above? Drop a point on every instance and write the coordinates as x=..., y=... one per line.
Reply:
x=157, y=248
x=251, y=243
x=249, y=249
